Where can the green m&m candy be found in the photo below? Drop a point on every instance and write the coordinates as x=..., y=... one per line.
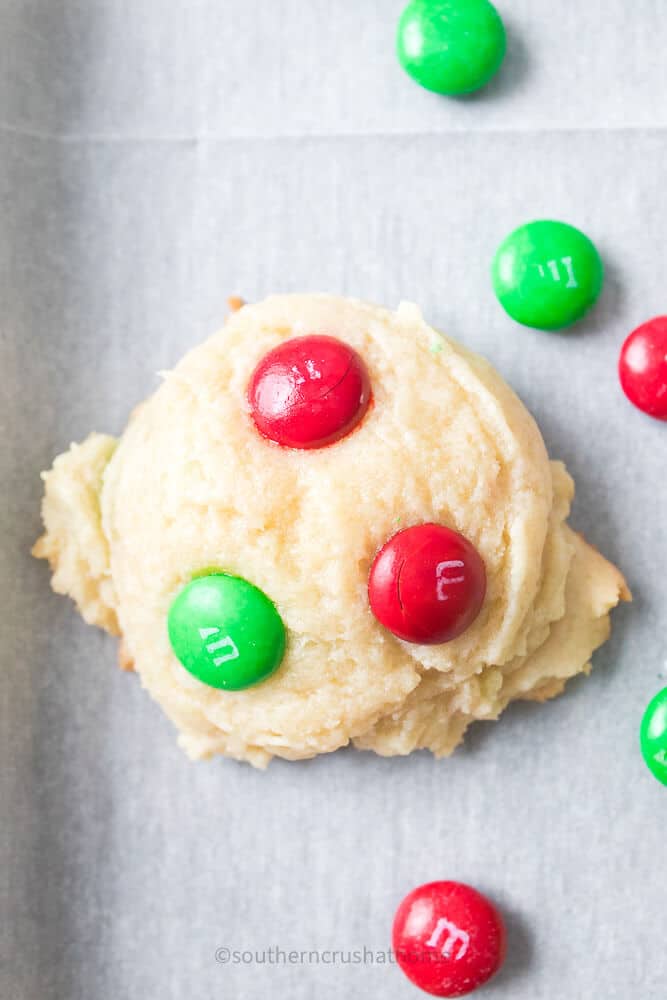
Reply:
x=547, y=274
x=451, y=46
x=226, y=632
x=653, y=736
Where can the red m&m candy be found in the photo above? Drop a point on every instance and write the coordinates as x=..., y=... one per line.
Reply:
x=448, y=939
x=309, y=392
x=427, y=584
x=642, y=367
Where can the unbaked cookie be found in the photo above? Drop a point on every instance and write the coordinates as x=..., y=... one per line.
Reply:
x=193, y=487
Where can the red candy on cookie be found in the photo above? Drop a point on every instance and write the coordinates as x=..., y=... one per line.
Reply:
x=642, y=367
x=309, y=392
x=427, y=584
x=448, y=939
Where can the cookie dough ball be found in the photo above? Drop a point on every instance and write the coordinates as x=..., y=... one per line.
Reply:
x=193, y=486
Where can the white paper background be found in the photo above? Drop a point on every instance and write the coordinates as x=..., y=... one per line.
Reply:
x=155, y=158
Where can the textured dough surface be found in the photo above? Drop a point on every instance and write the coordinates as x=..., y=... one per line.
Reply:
x=191, y=486
x=74, y=543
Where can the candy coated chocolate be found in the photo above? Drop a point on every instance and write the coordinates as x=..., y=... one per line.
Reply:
x=642, y=367
x=427, y=584
x=451, y=46
x=547, y=274
x=309, y=392
x=653, y=736
x=448, y=938
x=225, y=631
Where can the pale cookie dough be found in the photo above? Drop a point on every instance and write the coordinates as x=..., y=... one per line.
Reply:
x=191, y=485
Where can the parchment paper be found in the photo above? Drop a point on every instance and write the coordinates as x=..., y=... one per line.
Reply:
x=155, y=158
